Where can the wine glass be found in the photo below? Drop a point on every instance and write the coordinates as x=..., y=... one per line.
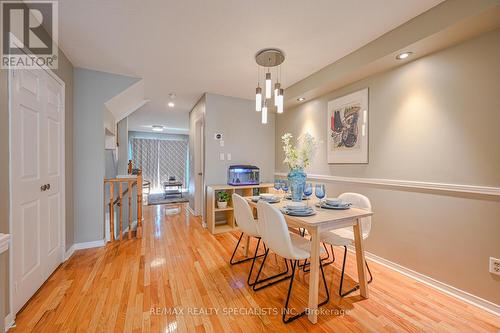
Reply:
x=319, y=191
x=277, y=185
x=308, y=190
x=284, y=187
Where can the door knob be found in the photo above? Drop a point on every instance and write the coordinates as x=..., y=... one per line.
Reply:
x=43, y=188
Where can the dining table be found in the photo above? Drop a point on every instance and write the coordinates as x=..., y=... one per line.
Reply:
x=323, y=221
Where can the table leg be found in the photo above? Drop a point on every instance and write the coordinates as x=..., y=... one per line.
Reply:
x=314, y=276
x=360, y=259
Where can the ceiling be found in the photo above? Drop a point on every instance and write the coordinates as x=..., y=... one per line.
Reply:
x=190, y=47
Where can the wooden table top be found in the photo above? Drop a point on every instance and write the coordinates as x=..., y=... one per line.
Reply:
x=322, y=216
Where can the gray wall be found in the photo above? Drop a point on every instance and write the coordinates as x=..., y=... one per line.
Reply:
x=245, y=137
x=91, y=90
x=434, y=119
x=65, y=72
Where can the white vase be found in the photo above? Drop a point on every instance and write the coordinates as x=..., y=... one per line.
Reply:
x=221, y=204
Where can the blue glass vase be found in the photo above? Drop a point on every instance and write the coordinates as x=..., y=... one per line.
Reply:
x=297, y=181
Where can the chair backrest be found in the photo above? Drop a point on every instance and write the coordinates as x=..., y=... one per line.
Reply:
x=360, y=201
x=274, y=230
x=243, y=215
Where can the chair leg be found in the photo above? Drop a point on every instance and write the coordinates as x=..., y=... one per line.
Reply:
x=323, y=262
x=256, y=284
x=286, y=310
x=253, y=262
x=242, y=260
x=356, y=287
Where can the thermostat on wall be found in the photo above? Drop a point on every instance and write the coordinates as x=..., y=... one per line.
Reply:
x=217, y=136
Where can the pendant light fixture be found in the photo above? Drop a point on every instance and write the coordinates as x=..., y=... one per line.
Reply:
x=269, y=58
x=277, y=87
x=258, y=99
x=264, y=113
x=279, y=103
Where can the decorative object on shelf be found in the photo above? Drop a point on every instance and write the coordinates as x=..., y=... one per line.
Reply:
x=222, y=199
x=347, y=128
x=269, y=58
x=297, y=158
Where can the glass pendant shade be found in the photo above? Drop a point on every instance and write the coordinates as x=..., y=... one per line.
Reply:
x=279, y=103
x=258, y=99
x=268, y=85
x=264, y=114
x=276, y=93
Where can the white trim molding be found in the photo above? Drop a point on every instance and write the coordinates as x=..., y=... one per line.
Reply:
x=69, y=253
x=433, y=283
x=89, y=245
x=410, y=184
x=9, y=321
x=4, y=242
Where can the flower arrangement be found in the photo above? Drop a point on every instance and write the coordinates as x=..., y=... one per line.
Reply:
x=298, y=156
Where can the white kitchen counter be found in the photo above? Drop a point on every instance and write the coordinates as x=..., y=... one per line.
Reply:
x=4, y=242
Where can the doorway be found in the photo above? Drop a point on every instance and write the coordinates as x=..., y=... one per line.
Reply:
x=37, y=183
x=199, y=169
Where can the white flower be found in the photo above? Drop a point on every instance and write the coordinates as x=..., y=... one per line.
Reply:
x=298, y=157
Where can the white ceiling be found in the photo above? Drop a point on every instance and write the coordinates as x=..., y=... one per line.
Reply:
x=194, y=46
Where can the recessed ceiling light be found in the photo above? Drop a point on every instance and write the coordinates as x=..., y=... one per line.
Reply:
x=157, y=128
x=301, y=99
x=171, y=104
x=403, y=55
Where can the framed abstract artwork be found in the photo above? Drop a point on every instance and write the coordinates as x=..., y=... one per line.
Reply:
x=347, y=128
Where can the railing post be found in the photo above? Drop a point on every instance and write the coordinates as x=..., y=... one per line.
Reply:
x=130, y=184
x=120, y=211
x=129, y=167
x=111, y=212
x=139, y=204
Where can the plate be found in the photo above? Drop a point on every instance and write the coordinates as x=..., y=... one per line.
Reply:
x=339, y=207
x=256, y=199
x=295, y=206
x=298, y=213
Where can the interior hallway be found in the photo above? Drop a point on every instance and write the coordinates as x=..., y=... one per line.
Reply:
x=158, y=283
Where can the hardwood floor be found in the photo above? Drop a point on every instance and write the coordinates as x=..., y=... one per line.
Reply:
x=177, y=279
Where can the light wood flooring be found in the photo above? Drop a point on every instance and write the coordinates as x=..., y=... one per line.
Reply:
x=177, y=278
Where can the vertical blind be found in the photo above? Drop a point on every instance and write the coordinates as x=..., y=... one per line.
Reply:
x=160, y=159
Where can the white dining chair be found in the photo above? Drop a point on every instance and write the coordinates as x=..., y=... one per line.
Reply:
x=248, y=226
x=274, y=232
x=345, y=236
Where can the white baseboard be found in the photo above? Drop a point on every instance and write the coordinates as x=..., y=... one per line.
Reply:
x=9, y=321
x=89, y=245
x=443, y=287
x=69, y=253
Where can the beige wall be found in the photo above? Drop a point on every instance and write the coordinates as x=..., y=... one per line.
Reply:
x=435, y=119
x=65, y=72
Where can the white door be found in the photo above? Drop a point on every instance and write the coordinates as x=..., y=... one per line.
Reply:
x=37, y=124
x=199, y=168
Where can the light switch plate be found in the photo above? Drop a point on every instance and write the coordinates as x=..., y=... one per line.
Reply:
x=221, y=156
x=229, y=156
x=222, y=143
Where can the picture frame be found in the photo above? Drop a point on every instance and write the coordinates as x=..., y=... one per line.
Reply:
x=347, y=129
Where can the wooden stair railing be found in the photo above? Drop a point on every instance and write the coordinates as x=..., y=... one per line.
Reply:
x=131, y=182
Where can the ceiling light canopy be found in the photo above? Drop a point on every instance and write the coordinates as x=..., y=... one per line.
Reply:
x=157, y=128
x=301, y=99
x=403, y=55
x=269, y=58
x=171, y=104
